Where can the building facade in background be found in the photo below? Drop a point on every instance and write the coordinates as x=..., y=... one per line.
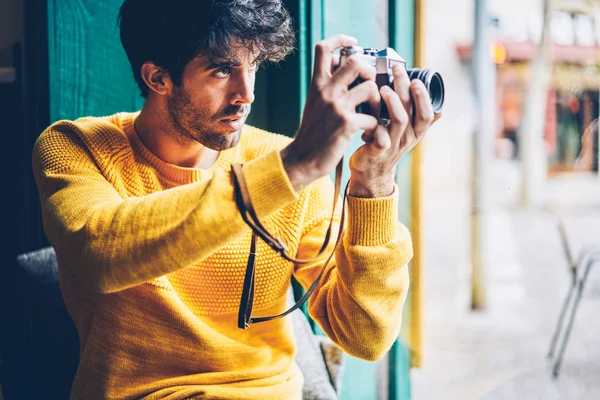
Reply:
x=574, y=93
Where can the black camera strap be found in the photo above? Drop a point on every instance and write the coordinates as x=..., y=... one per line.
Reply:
x=249, y=216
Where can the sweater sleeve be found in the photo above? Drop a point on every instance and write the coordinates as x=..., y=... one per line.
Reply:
x=114, y=243
x=359, y=301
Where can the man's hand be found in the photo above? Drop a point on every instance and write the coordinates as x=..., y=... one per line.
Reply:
x=330, y=117
x=373, y=165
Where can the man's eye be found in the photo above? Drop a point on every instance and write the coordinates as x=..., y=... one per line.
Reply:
x=222, y=72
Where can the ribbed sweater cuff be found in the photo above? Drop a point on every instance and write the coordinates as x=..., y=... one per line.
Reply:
x=372, y=222
x=268, y=184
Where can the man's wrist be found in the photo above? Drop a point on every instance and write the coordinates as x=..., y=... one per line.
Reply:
x=295, y=171
x=371, y=188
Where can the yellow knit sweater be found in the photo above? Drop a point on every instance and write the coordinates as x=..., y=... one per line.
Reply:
x=152, y=257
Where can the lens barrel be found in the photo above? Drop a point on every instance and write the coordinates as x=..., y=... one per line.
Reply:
x=433, y=82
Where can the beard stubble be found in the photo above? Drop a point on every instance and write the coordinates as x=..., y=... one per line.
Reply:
x=189, y=124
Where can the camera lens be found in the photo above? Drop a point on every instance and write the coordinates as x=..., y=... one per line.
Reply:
x=433, y=82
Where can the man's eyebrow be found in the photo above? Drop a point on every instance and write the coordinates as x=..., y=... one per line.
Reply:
x=221, y=64
x=216, y=64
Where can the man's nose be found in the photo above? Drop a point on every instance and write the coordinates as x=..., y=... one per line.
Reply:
x=244, y=89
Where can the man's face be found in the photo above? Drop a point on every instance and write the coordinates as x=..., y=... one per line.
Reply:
x=213, y=101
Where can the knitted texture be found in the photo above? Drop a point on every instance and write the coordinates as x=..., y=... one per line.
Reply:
x=152, y=258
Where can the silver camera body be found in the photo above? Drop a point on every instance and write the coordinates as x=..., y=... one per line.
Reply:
x=382, y=61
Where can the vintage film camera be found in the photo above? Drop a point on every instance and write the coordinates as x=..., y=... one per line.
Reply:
x=382, y=61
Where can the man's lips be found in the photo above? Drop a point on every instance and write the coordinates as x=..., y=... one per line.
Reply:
x=234, y=117
x=233, y=122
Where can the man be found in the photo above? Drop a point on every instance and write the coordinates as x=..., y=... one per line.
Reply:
x=150, y=243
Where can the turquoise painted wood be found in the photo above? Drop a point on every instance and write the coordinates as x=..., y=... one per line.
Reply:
x=88, y=69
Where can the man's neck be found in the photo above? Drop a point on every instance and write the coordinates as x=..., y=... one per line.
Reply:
x=170, y=146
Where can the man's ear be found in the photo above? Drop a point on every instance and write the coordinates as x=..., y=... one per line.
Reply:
x=156, y=78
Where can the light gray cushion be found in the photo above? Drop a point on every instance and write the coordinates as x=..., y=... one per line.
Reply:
x=319, y=359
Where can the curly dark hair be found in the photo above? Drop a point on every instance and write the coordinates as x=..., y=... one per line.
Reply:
x=171, y=33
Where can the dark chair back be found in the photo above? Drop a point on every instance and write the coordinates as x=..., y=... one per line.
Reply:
x=40, y=352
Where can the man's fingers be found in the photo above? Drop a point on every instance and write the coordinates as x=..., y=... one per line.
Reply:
x=353, y=68
x=367, y=136
x=335, y=62
x=367, y=91
x=364, y=122
x=424, y=115
x=402, y=86
x=378, y=137
x=398, y=115
x=335, y=42
x=323, y=56
x=381, y=138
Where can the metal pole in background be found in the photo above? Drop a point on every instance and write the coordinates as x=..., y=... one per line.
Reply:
x=532, y=155
x=484, y=88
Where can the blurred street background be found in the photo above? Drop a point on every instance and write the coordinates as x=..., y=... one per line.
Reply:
x=499, y=351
